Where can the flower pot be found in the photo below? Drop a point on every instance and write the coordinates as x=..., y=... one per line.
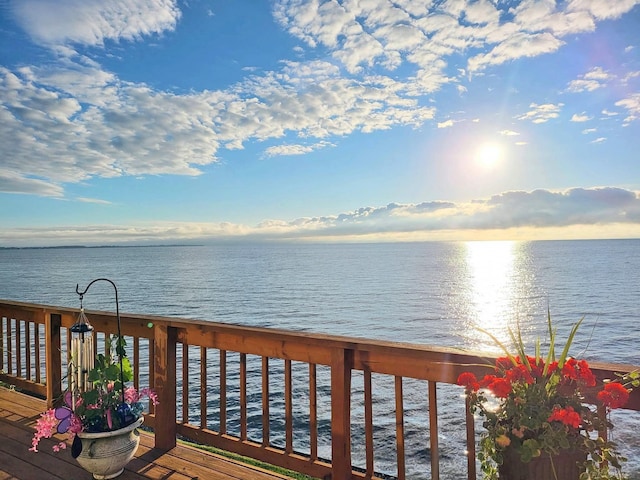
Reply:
x=565, y=466
x=105, y=454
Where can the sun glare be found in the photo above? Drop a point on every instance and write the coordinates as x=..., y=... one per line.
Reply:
x=488, y=155
x=491, y=268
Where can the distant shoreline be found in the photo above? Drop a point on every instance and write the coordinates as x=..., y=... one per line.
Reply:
x=66, y=247
x=246, y=242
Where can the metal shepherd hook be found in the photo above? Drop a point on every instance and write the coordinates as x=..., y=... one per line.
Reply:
x=117, y=316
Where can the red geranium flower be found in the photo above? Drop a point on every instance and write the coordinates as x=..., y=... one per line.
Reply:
x=585, y=374
x=469, y=381
x=553, y=366
x=503, y=363
x=569, y=371
x=613, y=395
x=500, y=387
x=568, y=416
x=519, y=373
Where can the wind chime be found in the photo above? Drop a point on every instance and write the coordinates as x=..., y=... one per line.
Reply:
x=82, y=355
x=83, y=332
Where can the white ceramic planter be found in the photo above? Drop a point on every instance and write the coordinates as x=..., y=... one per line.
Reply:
x=105, y=454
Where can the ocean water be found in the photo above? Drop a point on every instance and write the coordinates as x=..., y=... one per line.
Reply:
x=432, y=293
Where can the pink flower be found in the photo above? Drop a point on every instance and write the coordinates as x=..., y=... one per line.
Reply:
x=59, y=446
x=147, y=392
x=45, y=428
x=75, y=426
x=131, y=395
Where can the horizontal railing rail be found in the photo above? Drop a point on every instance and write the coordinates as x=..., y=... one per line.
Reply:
x=298, y=400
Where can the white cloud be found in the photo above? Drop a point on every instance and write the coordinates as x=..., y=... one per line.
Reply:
x=590, y=81
x=88, y=122
x=602, y=10
x=380, y=32
x=92, y=22
x=599, y=140
x=583, y=117
x=14, y=182
x=505, y=212
x=291, y=149
x=541, y=113
x=508, y=133
x=630, y=76
x=586, y=131
x=446, y=124
x=94, y=200
x=632, y=104
x=517, y=46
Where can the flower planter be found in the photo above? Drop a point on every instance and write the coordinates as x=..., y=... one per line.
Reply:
x=105, y=454
x=565, y=466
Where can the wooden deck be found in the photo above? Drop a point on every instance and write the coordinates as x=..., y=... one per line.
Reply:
x=19, y=412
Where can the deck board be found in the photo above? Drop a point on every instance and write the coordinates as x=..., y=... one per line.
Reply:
x=18, y=415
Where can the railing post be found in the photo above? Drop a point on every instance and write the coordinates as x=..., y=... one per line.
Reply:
x=471, y=441
x=341, y=366
x=165, y=386
x=53, y=357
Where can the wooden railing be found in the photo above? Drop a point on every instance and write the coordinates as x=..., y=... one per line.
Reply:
x=228, y=386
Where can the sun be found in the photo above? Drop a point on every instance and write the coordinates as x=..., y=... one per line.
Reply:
x=488, y=155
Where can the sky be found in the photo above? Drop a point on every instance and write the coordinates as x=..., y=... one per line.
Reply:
x=163, y=122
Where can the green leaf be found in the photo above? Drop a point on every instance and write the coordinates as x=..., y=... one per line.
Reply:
x=565, y=352
x=112, y=372
x=500, y=344
x=127, y=370
x=90, y=397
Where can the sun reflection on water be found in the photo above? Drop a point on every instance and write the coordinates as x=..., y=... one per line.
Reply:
x=491, y=273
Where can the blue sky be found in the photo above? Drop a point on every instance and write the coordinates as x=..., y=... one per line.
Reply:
x=156, y=121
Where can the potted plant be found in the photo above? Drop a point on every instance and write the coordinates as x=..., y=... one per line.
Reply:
x=101, y=413
x=536, y=419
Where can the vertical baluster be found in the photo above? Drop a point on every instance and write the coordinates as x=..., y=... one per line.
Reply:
x=152, y=371
x=433, y=432
x=400, y=428
x=27, y=337
x=136, y=363
x=471, y=442
x=603, y=431
x=288, y=406
x=203, y=387
x=9, y=348
x=223, y=392
x=368, y=421
x=38, y=356
x=243, y=396
x=266, y=434
x=313, y=411
x=2, y=349
x=18, y=336
x=185, y=383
